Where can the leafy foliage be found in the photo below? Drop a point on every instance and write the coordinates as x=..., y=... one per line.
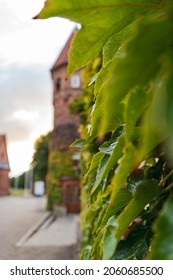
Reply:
x=40, y=158
x=59, y=164
x=127, y=148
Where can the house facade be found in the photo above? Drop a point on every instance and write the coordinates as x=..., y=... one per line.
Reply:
x=66, y=124
x=4, y=167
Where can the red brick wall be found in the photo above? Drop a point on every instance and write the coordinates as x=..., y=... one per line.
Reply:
x=63, y=97
x=4, y=182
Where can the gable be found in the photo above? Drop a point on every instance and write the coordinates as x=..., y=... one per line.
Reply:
x=63, y=57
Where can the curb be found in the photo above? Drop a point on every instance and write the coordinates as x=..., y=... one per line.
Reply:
x=33, y=230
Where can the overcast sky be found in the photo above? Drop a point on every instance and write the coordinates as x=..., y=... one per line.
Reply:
x=28, y=48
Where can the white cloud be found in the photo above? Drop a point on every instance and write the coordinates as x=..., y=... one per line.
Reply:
x=27, y=51
x=26, y=100
x=24, y=40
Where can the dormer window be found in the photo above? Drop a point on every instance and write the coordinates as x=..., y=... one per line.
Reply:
x=58, y=84
x=75, y=81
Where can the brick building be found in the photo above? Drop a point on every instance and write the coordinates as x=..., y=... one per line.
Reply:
x=4, y=167
x=65, y=90
x=65, y=124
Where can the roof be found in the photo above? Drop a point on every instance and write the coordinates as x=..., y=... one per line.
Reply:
x=4, y=163
x=63, y=57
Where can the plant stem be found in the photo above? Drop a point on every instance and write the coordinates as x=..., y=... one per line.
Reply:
x=168, y=188
x=166, y=178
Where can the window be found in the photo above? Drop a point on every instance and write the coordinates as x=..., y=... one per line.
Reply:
x=75, y=81
x=58, y=84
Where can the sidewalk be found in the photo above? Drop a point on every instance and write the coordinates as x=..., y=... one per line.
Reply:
x=32, y=233
x=60, y=232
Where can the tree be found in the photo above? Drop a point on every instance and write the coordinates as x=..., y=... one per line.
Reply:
x=129, y=178
x=40, y=158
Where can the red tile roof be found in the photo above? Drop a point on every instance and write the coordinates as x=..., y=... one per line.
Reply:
x=63, y=57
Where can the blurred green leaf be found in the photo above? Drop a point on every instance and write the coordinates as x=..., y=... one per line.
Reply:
x=118, y=41
x=86, y=253
x=131, y=71
x=79, y=143
x=162, y=245
x=145, y=192
x=99, y=21
x=134, y=106
x=108, y=240
x=94, y=163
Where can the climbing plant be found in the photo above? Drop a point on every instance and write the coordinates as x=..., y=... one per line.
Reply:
x=129, y=179
x=60, y=164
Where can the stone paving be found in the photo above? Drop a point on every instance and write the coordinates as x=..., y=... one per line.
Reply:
x=18, y=215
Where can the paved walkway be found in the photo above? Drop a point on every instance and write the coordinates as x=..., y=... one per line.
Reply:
x=55, y=239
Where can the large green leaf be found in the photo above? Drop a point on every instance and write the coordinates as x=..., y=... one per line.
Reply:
x=155, y=127
x=162, y=245
x=169, y=109
x=122, y=199
x=131, y=71
x=145, y=192
x=97, y=115
x=135, y=246
x=104, y=229
x=134, y=107
x=169, y=100
x=117, y=41
x=100, y=20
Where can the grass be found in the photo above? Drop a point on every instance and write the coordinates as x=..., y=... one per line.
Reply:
x=16, y=192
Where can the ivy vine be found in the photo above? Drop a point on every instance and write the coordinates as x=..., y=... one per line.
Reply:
x=128, y=182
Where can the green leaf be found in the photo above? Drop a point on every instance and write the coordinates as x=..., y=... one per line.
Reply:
x=98, y=115
x=169, y=110
x=145, y=192
x=134, y=107
x=86, y=253
x=127, y=164
x=117, y=41
x=79, y=143
x=131, y=71
x=108, y=146
x=108, y=162
x=103, y=76
x=94, y=163
x=122, y=198
x=169, y=100
x=135, y=247
x=100, y=20
x=155, y=129
x=108, y=240
x=133, y=180
x=162, y=245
